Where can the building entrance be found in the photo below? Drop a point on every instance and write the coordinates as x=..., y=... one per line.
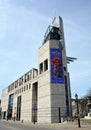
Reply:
x=4, y=115
x=34, y=101
x=10, y=106
x=18, y=108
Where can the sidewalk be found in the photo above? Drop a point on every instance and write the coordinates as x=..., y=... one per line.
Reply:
x=62, y=126
x=55, y=126
x=65, y=126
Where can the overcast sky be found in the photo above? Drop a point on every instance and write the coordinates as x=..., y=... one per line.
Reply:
x=22, y=27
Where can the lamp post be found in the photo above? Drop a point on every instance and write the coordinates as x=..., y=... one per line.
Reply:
x=77, y=106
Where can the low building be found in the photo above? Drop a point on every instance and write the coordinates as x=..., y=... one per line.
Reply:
x=43, y=94
x=89, y=107
x=83, y=107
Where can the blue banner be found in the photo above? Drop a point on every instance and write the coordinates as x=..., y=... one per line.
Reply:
x=57, y=72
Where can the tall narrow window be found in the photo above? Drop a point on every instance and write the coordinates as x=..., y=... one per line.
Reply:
x=29, y=85
x=46, y=65
x=24, y=88
x=10, y=106
x=18, y=115
x=41, y=68
x=16, y=84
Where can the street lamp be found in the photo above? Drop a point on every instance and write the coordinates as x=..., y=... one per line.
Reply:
x=77, y=106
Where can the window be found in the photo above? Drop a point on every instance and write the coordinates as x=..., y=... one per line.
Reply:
x=64, y=68
x=22, y=89
x=9, y=89
x=22, y=80
x=41, y=68
x=46, y=65
x=18, y=91
x=25, y=78
x=26, y=87
x=28, y=77
x=10, y=106
x=15, y=92
x=16, y=84
x=35, y=73
x=19, y=81
x=29, y=86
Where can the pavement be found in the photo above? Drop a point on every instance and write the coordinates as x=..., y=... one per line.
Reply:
x=61, y=126
x=64, y=126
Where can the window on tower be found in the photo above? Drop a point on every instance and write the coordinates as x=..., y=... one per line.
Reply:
x=41, y=68
x=46, y=65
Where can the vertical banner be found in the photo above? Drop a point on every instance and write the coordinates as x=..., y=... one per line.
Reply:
x=57, y=72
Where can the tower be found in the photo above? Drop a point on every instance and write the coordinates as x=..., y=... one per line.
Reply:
x=54, y=94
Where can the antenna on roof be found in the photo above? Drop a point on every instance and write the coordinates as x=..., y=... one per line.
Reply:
x=53, y=17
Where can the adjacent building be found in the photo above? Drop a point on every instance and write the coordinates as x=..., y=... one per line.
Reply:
x=43, y=94
x=82, y=105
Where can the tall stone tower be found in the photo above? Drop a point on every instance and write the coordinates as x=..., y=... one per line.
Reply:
x=54, y=94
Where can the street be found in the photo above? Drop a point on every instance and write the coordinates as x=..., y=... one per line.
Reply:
x=7, y=125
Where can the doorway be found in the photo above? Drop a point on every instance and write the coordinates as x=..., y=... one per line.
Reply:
x=34, y=101
x=4, y=115
x=10, y=106
x=18, y=108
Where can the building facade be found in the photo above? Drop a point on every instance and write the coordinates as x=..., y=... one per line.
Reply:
x=82, y=105
x=43, y=94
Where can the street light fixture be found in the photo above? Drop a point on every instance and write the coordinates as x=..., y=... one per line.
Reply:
x=78, y=116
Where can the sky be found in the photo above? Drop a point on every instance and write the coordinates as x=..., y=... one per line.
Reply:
x=23, y=24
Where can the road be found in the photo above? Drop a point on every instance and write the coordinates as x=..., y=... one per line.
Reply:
x=7, y=125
